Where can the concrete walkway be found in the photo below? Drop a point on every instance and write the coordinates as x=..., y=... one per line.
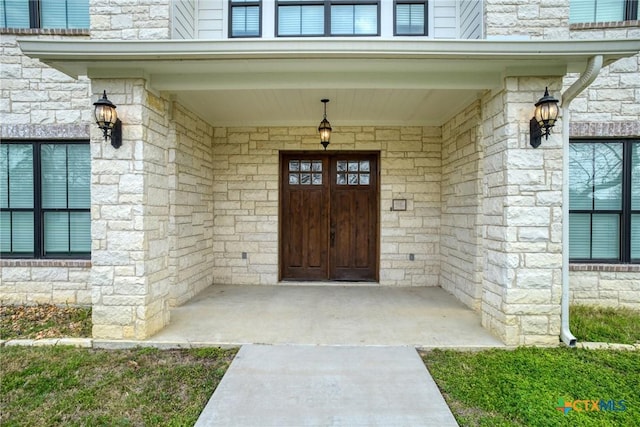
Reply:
x=326, y=315
x=326, y=386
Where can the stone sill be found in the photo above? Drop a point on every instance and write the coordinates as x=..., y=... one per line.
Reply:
x=46, y=31
x=77, y=263
x=603, y=25
x=617, y=268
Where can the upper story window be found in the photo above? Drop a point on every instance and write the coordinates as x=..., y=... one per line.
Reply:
x=53, y=14
x=588, y=11
x=328, y=18
x=604, y=201
x=45, y=199
x=410, y=18
x=245, y=18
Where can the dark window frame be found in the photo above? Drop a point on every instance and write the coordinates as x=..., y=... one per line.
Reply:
x=245, y=5
x=625, y=212
x=631, y=10
x=630, y=13
x=327, y=16
x=35, y=16
x=426, y=17
x=38, y=210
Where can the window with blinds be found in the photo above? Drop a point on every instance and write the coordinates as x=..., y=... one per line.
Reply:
x=604, y=201
x=410, y=18
x=54, y=14
x=245, y=18
x=45, y=200
x=327, y=18
x=586, y=11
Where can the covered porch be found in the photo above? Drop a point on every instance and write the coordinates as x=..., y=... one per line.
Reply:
x=192, y=198
x=320, y=314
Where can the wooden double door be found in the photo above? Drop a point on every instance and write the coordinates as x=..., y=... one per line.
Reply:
x=329, y=216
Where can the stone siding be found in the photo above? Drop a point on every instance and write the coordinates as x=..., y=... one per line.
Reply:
x=605, y=285
x=246, y=199
x=609, y=107
x=130, y=277
x=190, y=164
x=528, y=19
x=130, y=20
x=40, y=103
x=614, y=96
x=45, y=281
x=34, y=97
x=522, y=218
x=461, y=223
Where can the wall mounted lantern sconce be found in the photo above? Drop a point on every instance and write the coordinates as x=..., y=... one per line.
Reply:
x=325, y=127
x=543, y=119
x=107, y=120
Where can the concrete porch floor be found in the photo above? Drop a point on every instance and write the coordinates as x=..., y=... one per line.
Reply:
x=326, y=315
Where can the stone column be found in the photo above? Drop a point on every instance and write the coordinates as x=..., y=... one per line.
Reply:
x=130, y=210
x=522, y=217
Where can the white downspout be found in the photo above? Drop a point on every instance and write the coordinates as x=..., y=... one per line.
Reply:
x=591, y=72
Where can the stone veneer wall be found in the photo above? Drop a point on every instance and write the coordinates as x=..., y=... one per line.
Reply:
x=35, y=98
x=609, y=107
x=190, y=164
x=245, y=170
x=523, y=218
x=130, y=274
x=614, y=96
x=605, y=285
x=130, y=19
x=461, y=254
x=529, y=19
x=45, y=281
x=40, y=103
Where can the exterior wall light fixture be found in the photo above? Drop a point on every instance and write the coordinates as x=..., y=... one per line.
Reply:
x=107, y=120
x=325, y=127
x=543, y=119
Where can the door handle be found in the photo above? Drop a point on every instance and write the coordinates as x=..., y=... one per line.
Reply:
x=332, y=237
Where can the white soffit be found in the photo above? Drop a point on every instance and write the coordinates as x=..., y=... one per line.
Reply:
x=280, y=82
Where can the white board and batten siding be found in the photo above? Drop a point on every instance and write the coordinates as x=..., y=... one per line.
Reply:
x=208, y=19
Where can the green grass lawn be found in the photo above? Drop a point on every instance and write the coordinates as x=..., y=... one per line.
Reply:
x=43, y=386
x=522, y=387
x=601, y=324
x=47, y=386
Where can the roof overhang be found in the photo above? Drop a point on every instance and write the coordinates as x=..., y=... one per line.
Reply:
x=281, y=81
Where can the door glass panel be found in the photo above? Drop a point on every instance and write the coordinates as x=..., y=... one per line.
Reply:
x=306, y=167
x=358, y=172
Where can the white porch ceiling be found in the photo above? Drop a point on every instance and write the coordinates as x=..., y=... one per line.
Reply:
x=347, y=107
x=281, y=82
